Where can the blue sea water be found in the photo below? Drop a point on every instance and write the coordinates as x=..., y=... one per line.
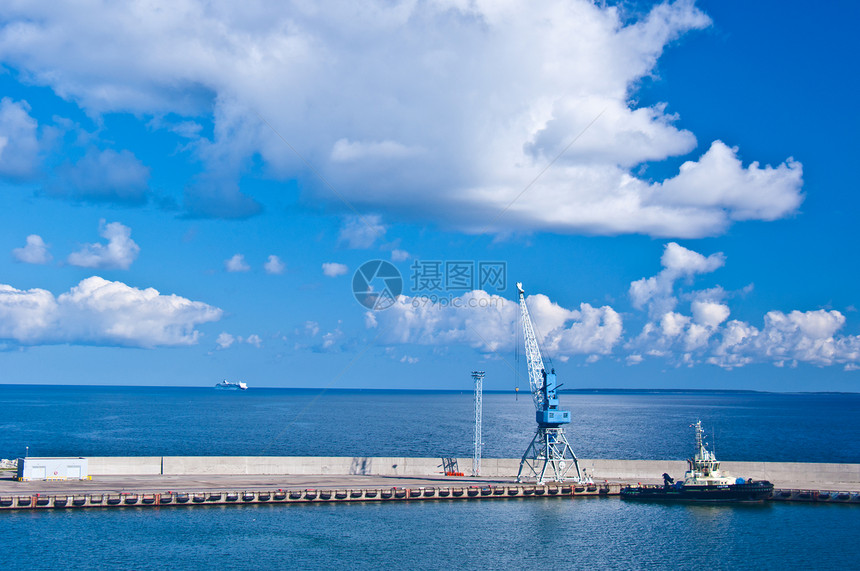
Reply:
x=161, y=421
x=505, y=534
x=594, y=533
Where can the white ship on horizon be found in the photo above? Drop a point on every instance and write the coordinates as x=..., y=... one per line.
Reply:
x=226, y=385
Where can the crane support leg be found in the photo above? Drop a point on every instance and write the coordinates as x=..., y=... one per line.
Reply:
x=550, y=457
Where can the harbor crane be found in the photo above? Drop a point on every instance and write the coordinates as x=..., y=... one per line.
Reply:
x=549, y=456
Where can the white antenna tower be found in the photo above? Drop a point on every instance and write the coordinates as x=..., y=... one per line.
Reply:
x=478, y=377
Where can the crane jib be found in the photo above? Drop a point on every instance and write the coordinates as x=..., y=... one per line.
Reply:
x=543, y=384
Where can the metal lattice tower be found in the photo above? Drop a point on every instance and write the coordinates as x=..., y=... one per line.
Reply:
x=549, y=455
x=478, y=377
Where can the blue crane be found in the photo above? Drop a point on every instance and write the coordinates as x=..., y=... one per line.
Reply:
x=549, y=456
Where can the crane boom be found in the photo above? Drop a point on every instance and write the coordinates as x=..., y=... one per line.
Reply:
x=534, y=361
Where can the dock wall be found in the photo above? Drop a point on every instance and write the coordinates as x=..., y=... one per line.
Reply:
x=780, y=473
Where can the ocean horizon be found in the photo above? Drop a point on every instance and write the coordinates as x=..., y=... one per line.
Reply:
x=114, y=420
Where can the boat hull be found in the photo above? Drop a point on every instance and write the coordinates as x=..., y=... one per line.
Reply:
x=747, y=492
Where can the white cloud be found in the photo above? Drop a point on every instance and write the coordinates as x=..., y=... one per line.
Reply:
x=487, y=323
x=706, y=336
x=331, y=340
x=19, y=144
x=719, y=180
x=333, y=269
x=35, y=252
x=399, y=255
x=101, y=312
x=678, y=262
x=104, y=176
x=789, y=338
x=26, y=316
x=225, y=340
x=312, y=328
x=274, y=265
x=673, y=324
x=695, y=329
x=452, y=108
x=594, y=331
x=709, y=313
x=119, y=252
x=360, y=232
x=236, y=264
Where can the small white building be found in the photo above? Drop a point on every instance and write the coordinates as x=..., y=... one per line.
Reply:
x=35, y=468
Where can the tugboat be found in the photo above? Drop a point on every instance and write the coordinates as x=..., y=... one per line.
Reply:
x=703, y=482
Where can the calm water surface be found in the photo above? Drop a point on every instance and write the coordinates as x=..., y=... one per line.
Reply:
x=506, y=534
x=137, y=421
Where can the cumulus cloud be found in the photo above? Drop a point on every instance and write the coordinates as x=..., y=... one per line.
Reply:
x=488, y=323
x=101, y=312
x=35, y=252
x=19, y=142
x=678, y=262
x=706, y=335
x=119, y=252
x=333, y=269
x=683, y=329
x=274, y=265
x=360, y=232
x=104, y=176
x=452, y=109
x=236, y=264
x=224, y=340
x=789, y=338
x=719, y=180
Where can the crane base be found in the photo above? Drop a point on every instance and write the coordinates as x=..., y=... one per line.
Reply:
x=549, y=457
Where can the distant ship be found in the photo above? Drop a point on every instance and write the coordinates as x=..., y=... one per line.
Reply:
x=703, y=481
x=228, y=386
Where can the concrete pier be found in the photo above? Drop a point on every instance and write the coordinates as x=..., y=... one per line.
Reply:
x=783, y=474
x=233, y=480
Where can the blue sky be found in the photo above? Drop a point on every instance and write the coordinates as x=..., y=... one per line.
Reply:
x=187, y=192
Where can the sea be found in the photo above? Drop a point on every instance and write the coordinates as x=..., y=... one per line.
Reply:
x=599, y=533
